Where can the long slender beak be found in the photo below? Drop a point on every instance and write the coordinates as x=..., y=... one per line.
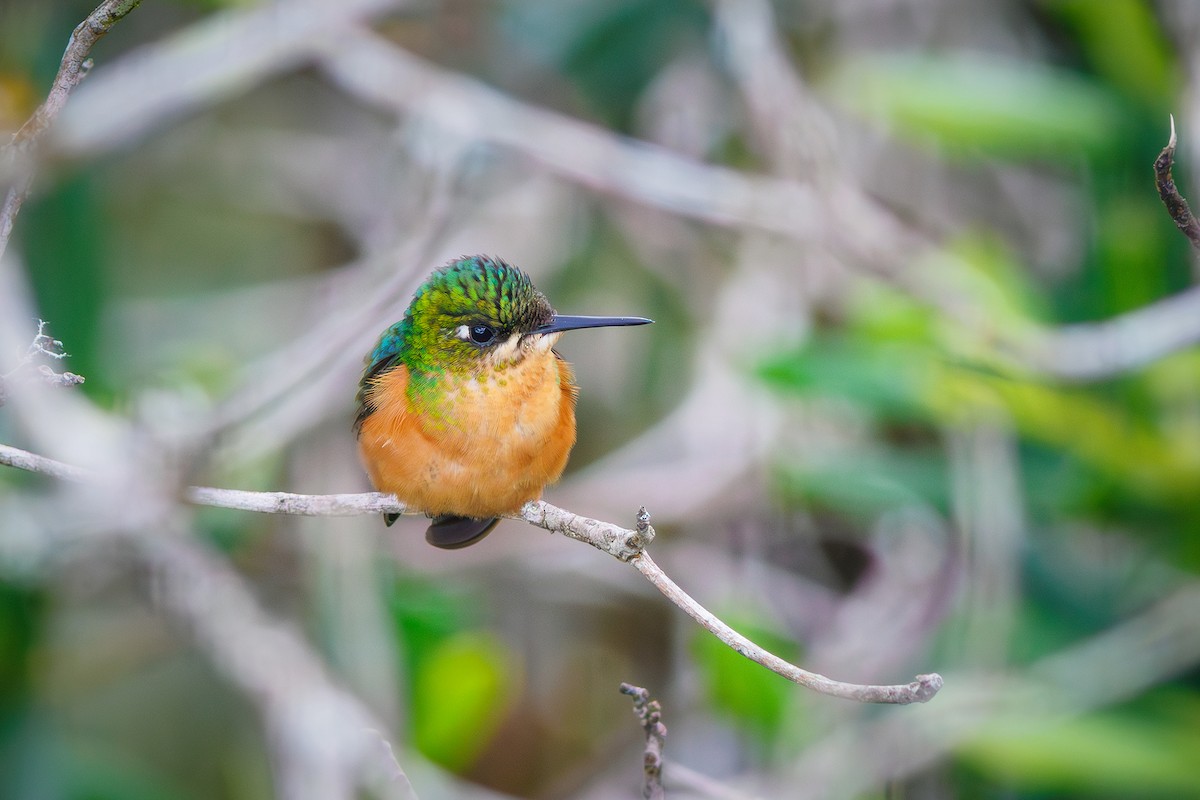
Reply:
x=564, y=323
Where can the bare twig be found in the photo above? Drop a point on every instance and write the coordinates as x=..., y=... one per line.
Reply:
x=31, y=462
x=649, y=713
x=840, y=218
x=618, y=542
x=1176, y=205
x=377, y=72
x=304, y=505
x=919, y=691
x=301, y=705
x=696, y=783
x=75, y=65
x=42, y=346
x=796, y=132
x=218, y=57
x=622, y=543
x=269, y=381
x=1093, y=351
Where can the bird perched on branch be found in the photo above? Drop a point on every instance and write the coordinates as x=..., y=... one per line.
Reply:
x=465, y=412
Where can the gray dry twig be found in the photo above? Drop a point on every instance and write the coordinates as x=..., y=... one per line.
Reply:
x=43, y=346
x=840, y=218
x=649, y=713
x=75, y=65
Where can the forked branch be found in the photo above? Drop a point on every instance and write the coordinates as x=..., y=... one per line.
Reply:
x=43, y=346
x=649, y=713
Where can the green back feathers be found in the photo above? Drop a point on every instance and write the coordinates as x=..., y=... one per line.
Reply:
x=470, y=291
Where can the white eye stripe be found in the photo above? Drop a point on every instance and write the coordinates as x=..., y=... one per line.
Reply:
x=463, y=332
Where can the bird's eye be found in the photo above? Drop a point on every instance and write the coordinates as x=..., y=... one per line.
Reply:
x=481, y=334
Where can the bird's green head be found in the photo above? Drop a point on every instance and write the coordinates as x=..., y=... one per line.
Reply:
x=474, y=316
x=472, y=312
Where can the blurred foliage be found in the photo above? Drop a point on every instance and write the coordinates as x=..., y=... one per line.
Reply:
x=64, y=236
x=1125, y=46
x=460, y=691
x=755, y=699
x=1036, y=124
x=1147, y=750
x=972, y=106
x=21, y=616
x=462, y=678
x=1112, y=452
x=610, y=51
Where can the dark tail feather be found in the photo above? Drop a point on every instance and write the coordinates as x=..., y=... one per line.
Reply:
x=388, y=519
x=450, y=533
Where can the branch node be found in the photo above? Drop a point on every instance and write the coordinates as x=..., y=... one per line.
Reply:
x=926, y=686
x=649, y=713
x=45, y=346
x=643, y=533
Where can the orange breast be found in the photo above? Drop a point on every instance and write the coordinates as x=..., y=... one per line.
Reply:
x=493, y=447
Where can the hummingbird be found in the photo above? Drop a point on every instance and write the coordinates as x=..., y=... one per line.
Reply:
x=465, y=411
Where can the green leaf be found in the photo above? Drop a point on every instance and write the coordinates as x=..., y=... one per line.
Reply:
x=886, y=379
x=752, y=697
x=867, y=484
x=970, y=103
x=1125, y=44
x=461, y=690
x=1099, y=433
x=427, y=612
x=1116, y=755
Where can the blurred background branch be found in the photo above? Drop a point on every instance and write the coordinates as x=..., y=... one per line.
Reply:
x=74, y=67
x=649, y=713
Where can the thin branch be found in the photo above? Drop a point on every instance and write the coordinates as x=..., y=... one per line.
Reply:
x=45, y=347
x=695, y=783
x=304, y=505
x=222, y=55
x=649, y=713
x=325, y=741
x=31, y=462
x=840, y=217
x=796, y=132
x=374, y=70
x=267, y=382
x=621, y=543
x=73, y=68
x=923, y=688
x=1176, y=205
